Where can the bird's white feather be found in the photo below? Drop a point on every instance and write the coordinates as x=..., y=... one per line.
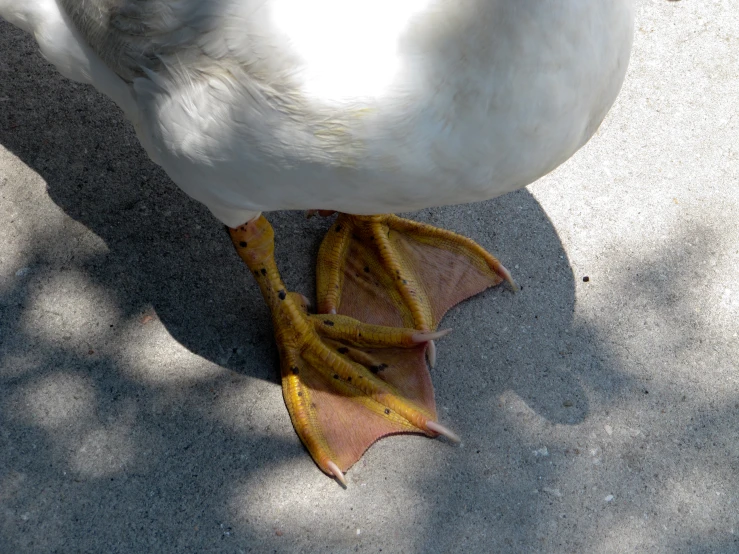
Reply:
x=363, y=106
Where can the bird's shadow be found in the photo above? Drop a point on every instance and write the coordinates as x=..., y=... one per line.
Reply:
x=514, y=363
x=168, y=256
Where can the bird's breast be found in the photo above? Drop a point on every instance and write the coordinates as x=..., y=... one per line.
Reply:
x=367, y=107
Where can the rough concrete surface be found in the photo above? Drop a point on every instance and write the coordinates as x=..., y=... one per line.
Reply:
x=140, y=409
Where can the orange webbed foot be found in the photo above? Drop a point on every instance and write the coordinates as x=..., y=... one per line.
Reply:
x=387, y=270
x=346, y=383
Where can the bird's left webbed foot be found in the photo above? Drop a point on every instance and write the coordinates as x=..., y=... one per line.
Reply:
x=388, y=270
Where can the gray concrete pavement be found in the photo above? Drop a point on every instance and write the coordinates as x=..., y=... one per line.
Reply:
x=139, y=404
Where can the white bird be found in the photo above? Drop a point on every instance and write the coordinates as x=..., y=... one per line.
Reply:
x=358, y=106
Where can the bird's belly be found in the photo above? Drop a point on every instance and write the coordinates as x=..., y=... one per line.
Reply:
x=451, y=130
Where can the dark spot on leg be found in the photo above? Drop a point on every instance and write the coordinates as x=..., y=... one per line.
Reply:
x=242, y=244
x=366, y=269
x=328, y=322
x=387, y=411
x=282, y=294
x=336, y=376
x=348, y=379
x=343, y=350
x=300, y=393
x=405, y=282
x=263, y=271
x=374, y=368
x=295, y=370
x=383, y=366
x=339, y=228
x=256, y=273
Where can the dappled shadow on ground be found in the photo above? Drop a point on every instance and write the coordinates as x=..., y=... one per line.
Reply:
x=115, y=435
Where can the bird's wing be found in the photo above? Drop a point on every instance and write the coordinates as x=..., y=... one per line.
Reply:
x=135, y=37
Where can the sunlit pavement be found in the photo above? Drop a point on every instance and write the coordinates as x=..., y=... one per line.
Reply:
x=140, y=409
